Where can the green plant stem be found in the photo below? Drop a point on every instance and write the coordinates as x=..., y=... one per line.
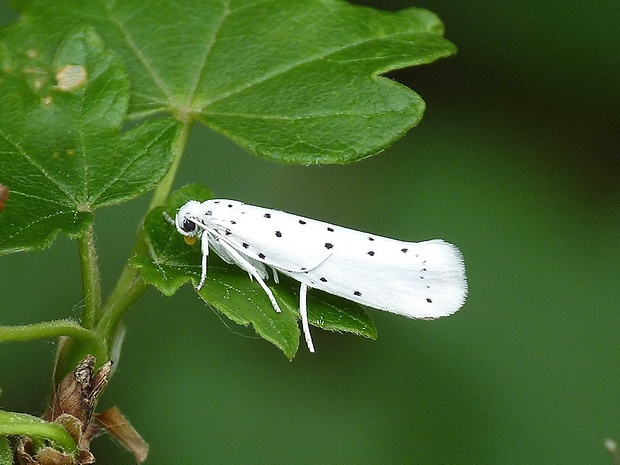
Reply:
x=54, y=329
x=20, y=423
x=91, y=279
x=129, y=288
x=130, y=285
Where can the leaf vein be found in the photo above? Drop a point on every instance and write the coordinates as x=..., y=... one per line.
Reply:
x=18, y=230
x=18, y=150
x=205, y=57
x=133, y=46
x=278, y=71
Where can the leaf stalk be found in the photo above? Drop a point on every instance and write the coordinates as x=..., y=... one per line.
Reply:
x=91, y=278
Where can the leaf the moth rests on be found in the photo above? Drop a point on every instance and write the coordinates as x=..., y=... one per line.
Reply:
x=62, y=153
x=297, y=82
x=169, y=262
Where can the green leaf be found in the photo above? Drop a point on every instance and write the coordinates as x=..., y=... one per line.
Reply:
x=6, y=454
x=20, y=423
x=61, y=152
x=296, y=81
x=170, y=262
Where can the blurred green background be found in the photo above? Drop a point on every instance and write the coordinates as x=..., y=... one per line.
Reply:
x=516, y=161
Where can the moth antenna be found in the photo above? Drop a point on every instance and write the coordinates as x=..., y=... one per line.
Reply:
x=301, y=270
x=168, y=218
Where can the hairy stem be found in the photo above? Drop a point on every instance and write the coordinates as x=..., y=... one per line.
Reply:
x=129, y=288
x=20, y=423
x=55, y=329
x=91, y=279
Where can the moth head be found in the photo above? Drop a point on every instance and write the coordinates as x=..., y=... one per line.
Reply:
x=187, y=222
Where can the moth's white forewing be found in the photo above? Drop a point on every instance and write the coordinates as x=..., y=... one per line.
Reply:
x=418, y=280
x=429, y=283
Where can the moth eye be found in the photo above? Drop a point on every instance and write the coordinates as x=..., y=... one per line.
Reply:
x=188, y=225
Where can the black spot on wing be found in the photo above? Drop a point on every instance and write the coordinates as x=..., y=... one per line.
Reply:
x=261, y=256
x=245, y=245
x=323, y=279
x=267, y=215
x=404, y=250
x=278, y=234
x=330, y=229
x=357, y=293
x=302, y=222
x=429, y=300
x=371, y=253
x=329, y=245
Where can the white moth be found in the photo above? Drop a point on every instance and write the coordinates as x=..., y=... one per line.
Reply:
x=417, y=280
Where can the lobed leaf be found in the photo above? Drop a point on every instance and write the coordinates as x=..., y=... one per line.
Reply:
x=169, y=262
x=296, y=82
x=61, y=152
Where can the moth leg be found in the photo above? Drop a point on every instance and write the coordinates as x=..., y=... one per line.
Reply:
x=276, y=277
x=204, y=247
x=303, y=311
x=242, y=263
